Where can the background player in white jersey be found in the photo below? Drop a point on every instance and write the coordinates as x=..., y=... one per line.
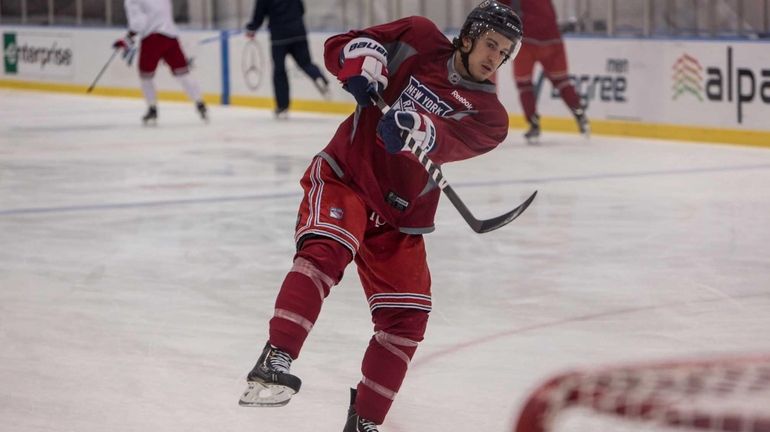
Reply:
x=153, y=21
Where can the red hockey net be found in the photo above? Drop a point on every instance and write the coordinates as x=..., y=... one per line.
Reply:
x=729, y=395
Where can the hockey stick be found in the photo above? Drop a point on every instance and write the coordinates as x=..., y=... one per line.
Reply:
x=477, y=225
x=104, y=68
x=224, y=34
x=538, y=86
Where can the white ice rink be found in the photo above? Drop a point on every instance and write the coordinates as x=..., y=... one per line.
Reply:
x=138, y=269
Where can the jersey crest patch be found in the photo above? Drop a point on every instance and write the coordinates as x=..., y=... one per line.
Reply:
x=416, y=94
x=336, y=213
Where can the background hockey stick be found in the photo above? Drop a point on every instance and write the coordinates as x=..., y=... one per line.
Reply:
x=224, y=34
x=477, y=225
x=538, y=86
x=104, y=68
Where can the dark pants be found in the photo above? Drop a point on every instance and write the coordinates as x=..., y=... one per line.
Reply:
x=301, y=54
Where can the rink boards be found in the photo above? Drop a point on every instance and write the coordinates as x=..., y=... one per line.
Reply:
x=713, y=91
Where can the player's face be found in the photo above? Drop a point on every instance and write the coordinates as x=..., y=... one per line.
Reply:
x=490, y=51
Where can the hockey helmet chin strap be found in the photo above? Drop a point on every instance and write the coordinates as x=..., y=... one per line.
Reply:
x=464, y=56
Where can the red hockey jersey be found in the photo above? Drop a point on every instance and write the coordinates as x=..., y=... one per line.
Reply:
x=468, y=117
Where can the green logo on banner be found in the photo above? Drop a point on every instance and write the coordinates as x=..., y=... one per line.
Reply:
x=10, y=53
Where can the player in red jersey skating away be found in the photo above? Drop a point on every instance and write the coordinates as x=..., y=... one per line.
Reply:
x=153, y=21
x=368, y=199
x=543, y=44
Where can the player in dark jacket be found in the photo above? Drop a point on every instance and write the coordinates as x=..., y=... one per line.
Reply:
x=287, y=36
x=368, y=199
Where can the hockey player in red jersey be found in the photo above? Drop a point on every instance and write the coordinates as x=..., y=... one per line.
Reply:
x=153, y=21
x=369, y=200
x=543, y=44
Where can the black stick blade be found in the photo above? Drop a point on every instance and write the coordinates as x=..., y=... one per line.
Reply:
x=483, y=226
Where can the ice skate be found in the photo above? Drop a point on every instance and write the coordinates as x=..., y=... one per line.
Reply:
x=281, y=113
x=323, y=87
x=582, y=122
x=202, y=111
x=269, y=383
x=533, y=134
x=354, y=422
x=151, y=117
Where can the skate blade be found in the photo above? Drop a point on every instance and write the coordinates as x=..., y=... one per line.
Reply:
x=150, y=123
x=265, y=395
x=324, y=90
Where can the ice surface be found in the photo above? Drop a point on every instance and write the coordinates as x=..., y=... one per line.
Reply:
x=138, y=269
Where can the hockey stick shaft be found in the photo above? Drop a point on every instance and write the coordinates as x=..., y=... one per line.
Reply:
x=224, y=34
x=477, y=225
x=539, y=86
x=104, y=68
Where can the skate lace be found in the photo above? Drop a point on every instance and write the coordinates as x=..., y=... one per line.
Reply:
x=280, y=361
x=366, y=426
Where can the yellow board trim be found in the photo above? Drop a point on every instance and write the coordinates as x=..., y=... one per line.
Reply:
x=752, y=138
x=99, y=91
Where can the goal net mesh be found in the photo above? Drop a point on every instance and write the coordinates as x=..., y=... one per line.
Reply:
x=729, y=395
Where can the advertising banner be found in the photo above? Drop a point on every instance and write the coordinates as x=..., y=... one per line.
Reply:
x=693, y=82
x=723, y=85
x=630, y=82
x=35, y=54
